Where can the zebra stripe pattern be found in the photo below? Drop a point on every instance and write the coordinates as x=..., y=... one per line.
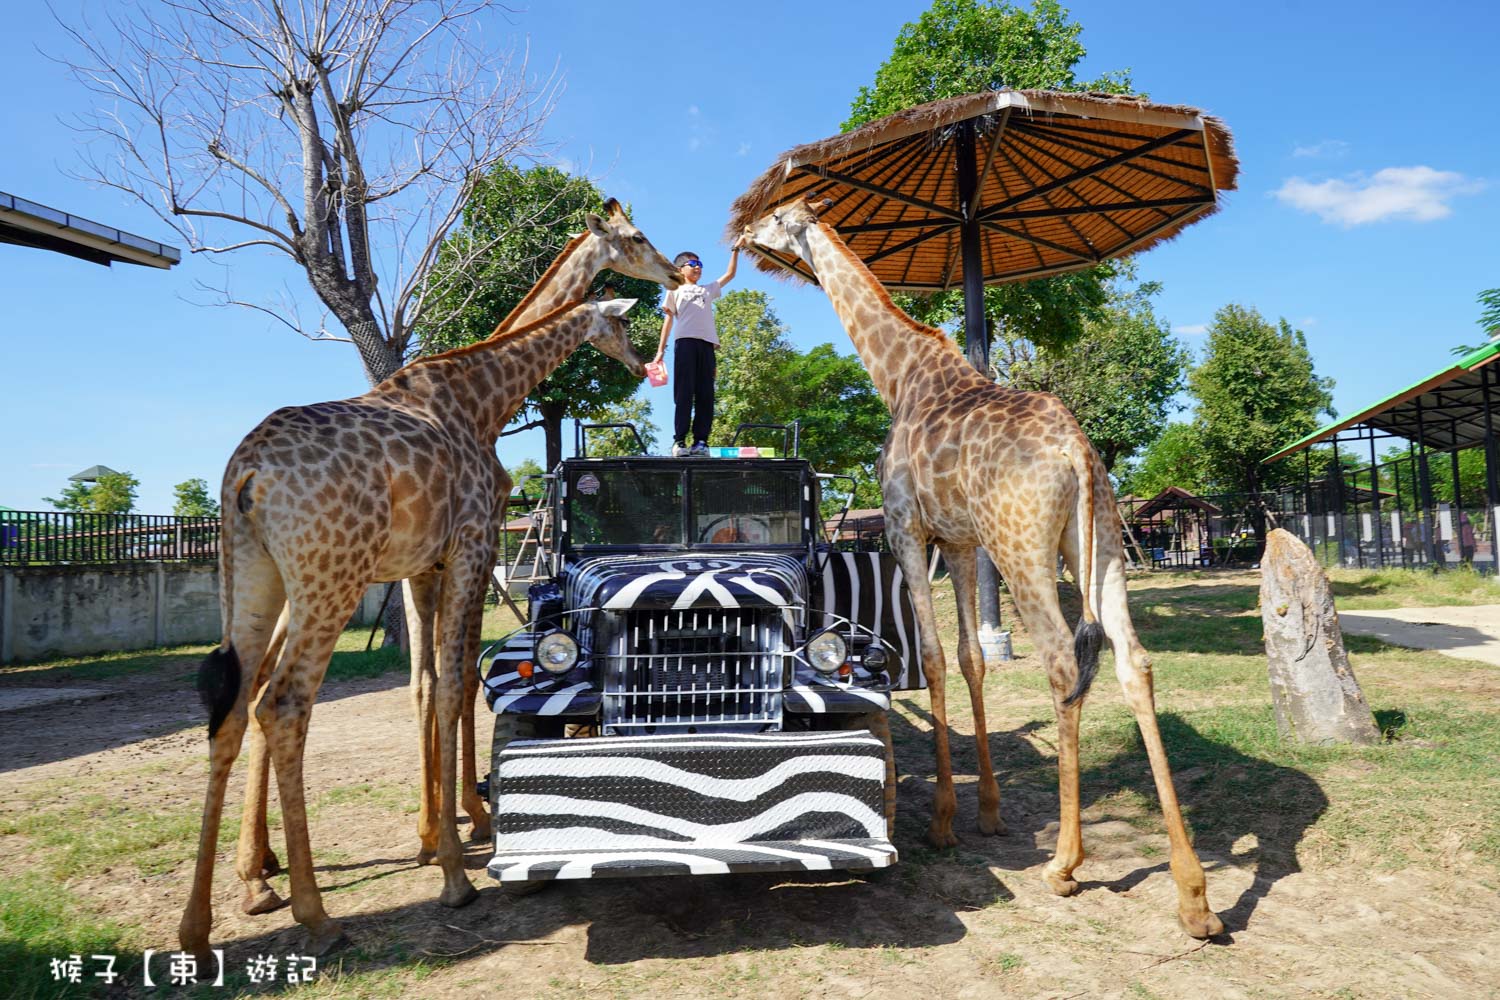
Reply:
x=543, y=694
x=869, y=589
x=690, y=804
x=623, y=583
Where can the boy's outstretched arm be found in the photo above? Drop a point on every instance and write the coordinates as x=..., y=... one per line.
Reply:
x=666, y=331
x=734, y=263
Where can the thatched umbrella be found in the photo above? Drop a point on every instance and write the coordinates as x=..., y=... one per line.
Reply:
x=998, y=187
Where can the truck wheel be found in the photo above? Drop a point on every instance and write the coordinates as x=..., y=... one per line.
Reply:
x=880, y=724
x=518, y=727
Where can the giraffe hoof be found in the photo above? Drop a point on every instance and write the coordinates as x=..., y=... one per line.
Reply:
x=462, y=894
x=330, y=937
x=261, y=902
x=1201, y=925
x=426, y=856
x=481, y=833
x=269, y=864
x=991, y=826
x=942, y=839
x=1062, y=885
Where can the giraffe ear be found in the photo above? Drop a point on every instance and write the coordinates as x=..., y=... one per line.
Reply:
x=615, y=210
x=597, y=226
x=616, y=307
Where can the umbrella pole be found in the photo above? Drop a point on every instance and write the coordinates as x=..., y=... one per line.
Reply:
x=994, y=641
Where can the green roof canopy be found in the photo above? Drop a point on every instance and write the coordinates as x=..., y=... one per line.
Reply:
x=1445, y=411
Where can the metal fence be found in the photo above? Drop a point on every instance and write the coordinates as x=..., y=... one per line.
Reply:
x=37, y=537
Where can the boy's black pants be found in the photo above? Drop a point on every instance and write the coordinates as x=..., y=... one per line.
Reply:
x=694, y=367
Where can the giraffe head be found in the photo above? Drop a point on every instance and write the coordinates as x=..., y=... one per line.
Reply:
x=609, y=330
x=783, y=228
x=627, y=249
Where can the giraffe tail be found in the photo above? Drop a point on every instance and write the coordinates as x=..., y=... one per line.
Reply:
x=219, y=673
x=1089, y=638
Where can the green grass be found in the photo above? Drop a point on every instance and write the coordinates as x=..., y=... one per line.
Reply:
x=40, y=921
x=1404, y=588
x=97, y=831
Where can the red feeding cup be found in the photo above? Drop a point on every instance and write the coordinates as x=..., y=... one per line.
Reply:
x=656, y=373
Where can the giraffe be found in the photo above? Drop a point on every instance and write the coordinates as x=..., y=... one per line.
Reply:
x=609, y=241
x=400, y=483
x=969, y=463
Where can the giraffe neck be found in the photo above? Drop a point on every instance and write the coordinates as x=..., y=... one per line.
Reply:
x=484, y=384
x=566, y=279
x=906, y=360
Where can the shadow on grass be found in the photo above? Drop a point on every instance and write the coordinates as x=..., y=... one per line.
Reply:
x=1229, y=798
x=149, y=695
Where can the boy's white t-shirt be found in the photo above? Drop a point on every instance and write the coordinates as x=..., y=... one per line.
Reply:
x=693, y=307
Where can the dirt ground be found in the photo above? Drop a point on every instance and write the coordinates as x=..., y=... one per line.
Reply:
x=974, y=922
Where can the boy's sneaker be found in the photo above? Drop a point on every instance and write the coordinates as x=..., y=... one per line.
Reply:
x=680, y=451
x=699, y=450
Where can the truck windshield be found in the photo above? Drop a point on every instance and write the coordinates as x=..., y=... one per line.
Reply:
x=745, y=507
x=625, y=507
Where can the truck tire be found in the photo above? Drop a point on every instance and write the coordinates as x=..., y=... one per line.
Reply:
x=878, y=723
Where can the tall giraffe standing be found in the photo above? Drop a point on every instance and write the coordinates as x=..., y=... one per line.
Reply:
x=969, y=463
x=400, y=483
x=608, y=242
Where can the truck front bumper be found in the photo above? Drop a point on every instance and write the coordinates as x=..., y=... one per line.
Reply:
x=690, y=804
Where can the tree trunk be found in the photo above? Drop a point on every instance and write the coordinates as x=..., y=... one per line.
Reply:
x=1316, y=697
x=552, y=418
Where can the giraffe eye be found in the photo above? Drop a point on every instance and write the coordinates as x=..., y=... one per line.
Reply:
x=638, y=238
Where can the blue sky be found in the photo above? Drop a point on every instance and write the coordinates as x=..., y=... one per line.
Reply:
x=1366, y=212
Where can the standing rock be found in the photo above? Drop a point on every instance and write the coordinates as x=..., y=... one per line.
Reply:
x=1317, y=699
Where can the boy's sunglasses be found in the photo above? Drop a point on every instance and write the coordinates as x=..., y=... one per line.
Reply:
x=692, y=263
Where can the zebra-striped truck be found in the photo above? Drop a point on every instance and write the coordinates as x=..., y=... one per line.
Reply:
x=703, y=683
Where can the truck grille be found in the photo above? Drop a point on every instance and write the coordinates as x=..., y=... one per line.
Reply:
x=717, y=669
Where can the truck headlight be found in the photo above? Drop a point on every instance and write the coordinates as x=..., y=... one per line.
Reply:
x=556, y=652
x=826, y=651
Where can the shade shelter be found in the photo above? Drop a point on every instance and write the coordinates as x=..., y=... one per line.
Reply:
x=28, y=224
x=1455, y=408
x=997, y=187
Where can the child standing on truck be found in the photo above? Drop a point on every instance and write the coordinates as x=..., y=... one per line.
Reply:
x=690, y=309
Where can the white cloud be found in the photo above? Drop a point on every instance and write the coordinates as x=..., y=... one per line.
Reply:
x=694, y=143
x=1327, y=148
x=744, y=148
x=1190, y=328
x=692, y=111
x=1417, y=194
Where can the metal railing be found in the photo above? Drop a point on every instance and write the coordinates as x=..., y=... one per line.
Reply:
x=29, y=537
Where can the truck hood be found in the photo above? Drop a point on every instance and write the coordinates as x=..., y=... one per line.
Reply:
x=733, y=580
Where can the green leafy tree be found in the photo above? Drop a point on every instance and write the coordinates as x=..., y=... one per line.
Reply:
x=112, y=493
x=1489, y=320
x=1173, y=459
x=764, y=379
x=1257, y=392
x=1119, y=379
x=194, y=500
x=477, y=298
x=965, y=46
x=634, y=410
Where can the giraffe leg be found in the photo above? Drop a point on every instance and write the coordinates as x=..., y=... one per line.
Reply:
x=910, y=553
x=420, y=594
x=962, y=567
x=1031, y=576
x=460, y=580
x=255, y=861
x=256, y=600
x=479, y=814
x=284, y=711
x=1133, y=668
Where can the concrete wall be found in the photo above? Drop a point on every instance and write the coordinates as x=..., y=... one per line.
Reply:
x=48, y=611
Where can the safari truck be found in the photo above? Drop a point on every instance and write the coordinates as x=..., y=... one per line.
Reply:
x=703, y=682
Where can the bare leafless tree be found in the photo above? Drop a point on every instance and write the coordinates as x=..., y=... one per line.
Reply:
x=346, y=134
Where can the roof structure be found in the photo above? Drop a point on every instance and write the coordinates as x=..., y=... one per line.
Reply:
x=25, y=223
x=1456, y=407
x=92, y=474
x=1063, y=181
x=1173, y=498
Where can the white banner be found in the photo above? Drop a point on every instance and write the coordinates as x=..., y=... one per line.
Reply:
x=1367, y=527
